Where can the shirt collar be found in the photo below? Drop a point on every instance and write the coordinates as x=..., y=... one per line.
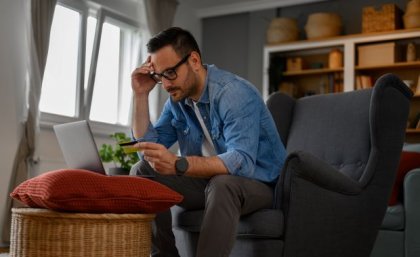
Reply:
x=204, y=98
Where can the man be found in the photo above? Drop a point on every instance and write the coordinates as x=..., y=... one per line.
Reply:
x=231, y=153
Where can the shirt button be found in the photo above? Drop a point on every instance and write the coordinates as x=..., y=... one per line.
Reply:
x=205, y=117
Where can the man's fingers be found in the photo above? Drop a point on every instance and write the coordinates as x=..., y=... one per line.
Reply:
x=157, y=154
x=141, y=71
x=149, y=146
x=150, y=159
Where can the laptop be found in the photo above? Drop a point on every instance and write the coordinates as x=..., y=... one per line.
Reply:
x=79, y=149
x=78, y=146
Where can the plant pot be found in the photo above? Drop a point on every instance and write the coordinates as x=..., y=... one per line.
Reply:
x=117, y=172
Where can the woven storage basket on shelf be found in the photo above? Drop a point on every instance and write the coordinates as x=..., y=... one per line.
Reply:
x=387, y=18
x=45, y=233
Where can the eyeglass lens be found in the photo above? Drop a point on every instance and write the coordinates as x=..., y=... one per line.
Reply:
x=169, y=74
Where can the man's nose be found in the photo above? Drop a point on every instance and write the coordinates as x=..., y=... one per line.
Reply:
x=166, y=83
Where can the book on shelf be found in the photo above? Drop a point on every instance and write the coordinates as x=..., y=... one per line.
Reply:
x=335, y=83
x=416, y=122
x=363, y=82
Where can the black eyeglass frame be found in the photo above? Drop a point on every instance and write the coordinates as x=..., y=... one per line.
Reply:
x=157, y=77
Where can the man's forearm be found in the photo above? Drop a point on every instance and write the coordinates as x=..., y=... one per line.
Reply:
x=141, y=116
x=205, y=167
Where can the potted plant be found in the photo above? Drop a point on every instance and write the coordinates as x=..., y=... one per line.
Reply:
x=123, y=161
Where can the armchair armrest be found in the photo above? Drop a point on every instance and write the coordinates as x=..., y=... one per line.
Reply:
x=316, y=171
x=322, y=206
x=412, y=212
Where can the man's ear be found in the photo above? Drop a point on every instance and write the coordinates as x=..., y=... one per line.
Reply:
x=195, y=60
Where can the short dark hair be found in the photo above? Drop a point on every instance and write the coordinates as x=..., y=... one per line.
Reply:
x=181, y=40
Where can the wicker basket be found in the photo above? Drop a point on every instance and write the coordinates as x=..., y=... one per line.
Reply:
x=45, y=233
x=323, y=25
x=386, y=19
x=282, y=30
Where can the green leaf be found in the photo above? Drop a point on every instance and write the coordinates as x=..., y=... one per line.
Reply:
x=109, y=153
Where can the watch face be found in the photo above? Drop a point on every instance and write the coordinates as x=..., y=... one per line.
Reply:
x=181, y=166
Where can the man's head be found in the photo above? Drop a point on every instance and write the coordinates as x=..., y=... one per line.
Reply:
x=176, y=61
x=182, y=41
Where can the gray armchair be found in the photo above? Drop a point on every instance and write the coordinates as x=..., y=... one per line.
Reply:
x=332, y=194
x=399, y=234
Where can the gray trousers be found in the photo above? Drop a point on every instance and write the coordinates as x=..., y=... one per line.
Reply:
x=224, y=199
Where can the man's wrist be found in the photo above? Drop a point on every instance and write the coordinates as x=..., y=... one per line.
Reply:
x=181, y=166
x=141, y=96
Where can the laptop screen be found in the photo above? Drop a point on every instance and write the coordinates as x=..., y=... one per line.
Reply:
x=78, y=146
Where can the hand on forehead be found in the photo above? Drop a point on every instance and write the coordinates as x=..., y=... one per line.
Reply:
x=164, y=58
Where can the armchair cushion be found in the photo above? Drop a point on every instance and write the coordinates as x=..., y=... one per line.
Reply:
x=411, y=148
x=394, y=218
x=87, y=191
x=408, y=161
x=266, y=223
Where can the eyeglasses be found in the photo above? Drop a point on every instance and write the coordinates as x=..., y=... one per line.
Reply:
x=169, y=74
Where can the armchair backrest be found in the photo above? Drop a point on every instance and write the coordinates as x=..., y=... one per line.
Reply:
x=342, y=128
x=281, y=107
x=334, y=128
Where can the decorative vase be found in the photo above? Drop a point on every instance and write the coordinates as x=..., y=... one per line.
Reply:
x=411, y=52
x=412, y=15
x=418, y=86
x=335, y=59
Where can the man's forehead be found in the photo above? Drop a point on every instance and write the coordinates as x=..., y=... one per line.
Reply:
x=164, y=58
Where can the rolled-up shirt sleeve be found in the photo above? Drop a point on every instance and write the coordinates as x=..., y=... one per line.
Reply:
x=162, y=131
x=241, y=129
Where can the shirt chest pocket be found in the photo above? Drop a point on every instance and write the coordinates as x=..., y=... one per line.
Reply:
x=217, y=131
x=181, y=127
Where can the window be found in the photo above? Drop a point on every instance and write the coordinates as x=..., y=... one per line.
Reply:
x=60, y=77
x=87, y=75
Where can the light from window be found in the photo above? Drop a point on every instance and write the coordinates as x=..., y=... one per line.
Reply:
x=63, y=88
x=90, y=36
x=58, y=93
x=105, y=94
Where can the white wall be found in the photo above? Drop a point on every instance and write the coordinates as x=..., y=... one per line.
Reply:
x=12, y=81
x=186, y=18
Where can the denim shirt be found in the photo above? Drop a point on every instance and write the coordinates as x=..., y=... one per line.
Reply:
x=242, y=129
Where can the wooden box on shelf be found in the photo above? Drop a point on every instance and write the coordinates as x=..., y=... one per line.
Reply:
x=294, y=64
x=378, y=54
x=386, y=19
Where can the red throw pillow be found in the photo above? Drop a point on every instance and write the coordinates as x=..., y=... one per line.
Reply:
x=408, y=161
x=87, y=191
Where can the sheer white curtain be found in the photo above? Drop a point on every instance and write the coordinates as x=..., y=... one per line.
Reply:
x=159, y=15
x=39, y=15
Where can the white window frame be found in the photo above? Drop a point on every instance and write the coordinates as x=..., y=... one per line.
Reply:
x=84, y=101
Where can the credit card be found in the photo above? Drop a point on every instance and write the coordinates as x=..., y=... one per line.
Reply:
x=128, y=143
x=128, y=147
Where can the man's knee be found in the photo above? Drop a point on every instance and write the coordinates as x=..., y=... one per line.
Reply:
x=222, y=186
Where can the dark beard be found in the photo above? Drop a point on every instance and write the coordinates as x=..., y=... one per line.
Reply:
x=187, y=92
